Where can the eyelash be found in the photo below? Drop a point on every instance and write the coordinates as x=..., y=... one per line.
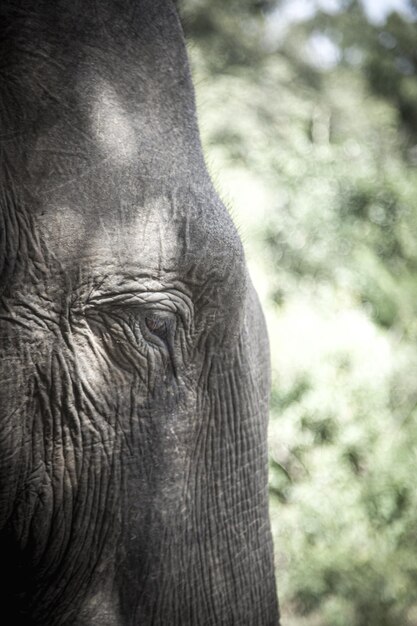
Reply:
x=161, y=326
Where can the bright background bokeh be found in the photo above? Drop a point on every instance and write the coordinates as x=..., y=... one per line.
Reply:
x=308, y=111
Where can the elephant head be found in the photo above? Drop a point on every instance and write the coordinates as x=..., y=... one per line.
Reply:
x=134, y=356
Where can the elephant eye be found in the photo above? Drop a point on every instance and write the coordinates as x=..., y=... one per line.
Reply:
x=158, y=326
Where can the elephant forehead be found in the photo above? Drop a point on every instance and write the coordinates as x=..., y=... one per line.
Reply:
x=159, y=234
x=73, y=233
x=112, y=127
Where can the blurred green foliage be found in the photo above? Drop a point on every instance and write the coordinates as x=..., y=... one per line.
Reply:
x=311, y=125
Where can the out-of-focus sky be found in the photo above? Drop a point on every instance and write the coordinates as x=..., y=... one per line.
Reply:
x=376, y=10
x=322, y=52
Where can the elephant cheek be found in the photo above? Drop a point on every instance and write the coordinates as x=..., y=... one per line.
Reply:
x=147, y=407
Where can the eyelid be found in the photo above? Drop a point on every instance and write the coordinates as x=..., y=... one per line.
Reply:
x=148, y=300
x=142, y=314
x=173, y=303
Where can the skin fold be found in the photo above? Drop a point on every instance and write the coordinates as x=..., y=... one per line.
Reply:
x=134, y=358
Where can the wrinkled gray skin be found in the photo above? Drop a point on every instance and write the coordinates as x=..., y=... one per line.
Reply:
x=134, y=357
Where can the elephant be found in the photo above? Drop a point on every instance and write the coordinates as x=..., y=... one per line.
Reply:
x=134, y=356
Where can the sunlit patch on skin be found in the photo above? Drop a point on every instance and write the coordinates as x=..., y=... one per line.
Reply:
x=151, y=238
x=60, y=227
x=155, y=232
x=111, y=125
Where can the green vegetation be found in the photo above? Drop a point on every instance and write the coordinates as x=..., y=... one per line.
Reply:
x=312, y=129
